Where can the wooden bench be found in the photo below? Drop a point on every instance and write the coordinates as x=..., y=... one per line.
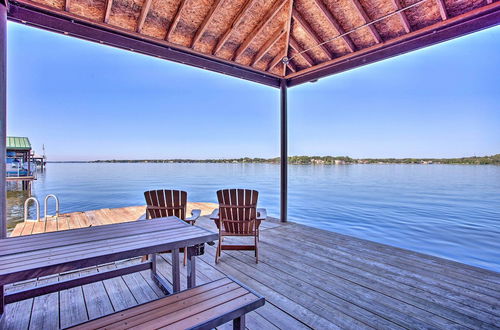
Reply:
x=202, y=307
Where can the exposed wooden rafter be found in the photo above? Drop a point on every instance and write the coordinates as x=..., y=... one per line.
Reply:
x=66, y=5
x=291, y=66
x=234, y=24
x=309, y=30
x=175, y=20
x=277, y=59
x=268, y=45
x=255, y=32
x=366, y=19
x=335, y=25
x=206, y=22
x=107, y=12
x=295, y=45
x=402, y=16
x=77, y=26
x=143, y=15
x=468, y=22
x=442, y=9
x=288, y=29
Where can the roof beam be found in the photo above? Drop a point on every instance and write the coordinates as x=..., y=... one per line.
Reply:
x=291, y=66
x=267, y=18
x=268, y=45
x=402, y=16
x=472, y=21
x=335, y=25
x=107, y=12
x=44, y=17
x=288, y=29
x=442, y=9
x=295, y=45
x=206, y=22
x=299, y=19
x=175, y=20
x=66, y=5
x=235, y=23
x=366, y=19
x=144, y=13
x=277, y=59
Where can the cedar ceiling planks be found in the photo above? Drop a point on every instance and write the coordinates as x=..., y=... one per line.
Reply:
x=366, y=19
x=311, y=33
x=258, y=29
x=300, y=52
x=402, y=16
x=335, y=25
x=175, y=20
x=144, y=12
x=234, y=25
x=269, y=44
x=259, y=34
x=206, y=22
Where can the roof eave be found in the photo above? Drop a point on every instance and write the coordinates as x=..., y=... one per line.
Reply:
x=64, y=23
x=475, y=20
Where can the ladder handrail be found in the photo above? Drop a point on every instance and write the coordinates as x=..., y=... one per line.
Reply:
x=26, y=209
x=45, y=205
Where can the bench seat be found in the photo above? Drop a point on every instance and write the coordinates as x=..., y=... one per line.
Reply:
x=202, y=307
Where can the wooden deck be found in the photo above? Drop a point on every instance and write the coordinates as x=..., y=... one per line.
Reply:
x=311, y=278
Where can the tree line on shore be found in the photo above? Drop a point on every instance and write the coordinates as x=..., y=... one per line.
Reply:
x=325, y=160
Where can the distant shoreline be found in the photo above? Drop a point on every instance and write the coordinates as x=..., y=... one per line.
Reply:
x=314, y=160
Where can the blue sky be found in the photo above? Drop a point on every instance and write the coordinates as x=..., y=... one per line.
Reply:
x=87, y=101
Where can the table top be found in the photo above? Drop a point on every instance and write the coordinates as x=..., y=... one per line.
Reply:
x=36, y=255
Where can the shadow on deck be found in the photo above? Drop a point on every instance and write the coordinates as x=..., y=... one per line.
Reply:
x=311, y=278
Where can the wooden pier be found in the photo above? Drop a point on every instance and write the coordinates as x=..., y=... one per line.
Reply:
x=311, y=278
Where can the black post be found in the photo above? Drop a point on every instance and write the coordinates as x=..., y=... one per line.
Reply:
x=3, y=116
x=284, y=153
x=3, y=132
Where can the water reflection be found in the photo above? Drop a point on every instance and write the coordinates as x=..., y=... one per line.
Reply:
x=16, y=197
x=15, y=207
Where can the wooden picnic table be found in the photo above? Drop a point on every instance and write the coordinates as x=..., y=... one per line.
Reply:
x=29, y=257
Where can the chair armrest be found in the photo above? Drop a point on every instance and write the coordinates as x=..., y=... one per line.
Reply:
x=261, y=214
x=195, y=214
x=215, y=214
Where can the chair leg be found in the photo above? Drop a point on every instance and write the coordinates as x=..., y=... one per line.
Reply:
x=217, y=252
x=256, y=249
x=145, y=258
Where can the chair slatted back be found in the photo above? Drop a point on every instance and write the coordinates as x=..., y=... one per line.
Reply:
x=238, y=210
x=166, y=203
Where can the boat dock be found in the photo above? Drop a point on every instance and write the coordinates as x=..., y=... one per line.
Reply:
x=311, y=278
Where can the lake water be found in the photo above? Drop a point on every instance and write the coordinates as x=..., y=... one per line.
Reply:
x=451, y=211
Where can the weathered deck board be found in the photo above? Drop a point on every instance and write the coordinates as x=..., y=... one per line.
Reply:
x=311, y=278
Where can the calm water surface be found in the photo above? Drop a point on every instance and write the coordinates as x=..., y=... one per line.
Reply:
x=450, y=211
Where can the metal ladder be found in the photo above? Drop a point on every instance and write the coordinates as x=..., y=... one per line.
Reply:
x=37, y=204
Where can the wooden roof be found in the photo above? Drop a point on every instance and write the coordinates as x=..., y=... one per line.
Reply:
x=250, y=38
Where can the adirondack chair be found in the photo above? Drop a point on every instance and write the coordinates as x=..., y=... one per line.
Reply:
x=167, y=203
x=238, y=216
